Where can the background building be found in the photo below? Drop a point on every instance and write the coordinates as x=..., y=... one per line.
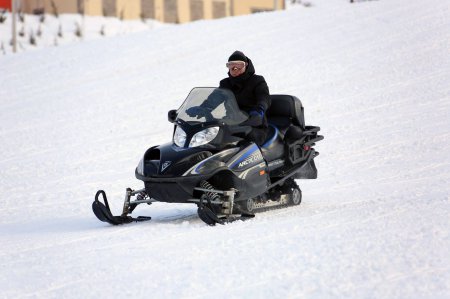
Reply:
x=169, y=11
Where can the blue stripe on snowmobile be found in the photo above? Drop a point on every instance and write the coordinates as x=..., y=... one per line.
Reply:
x=274, y=137
x=245, y=155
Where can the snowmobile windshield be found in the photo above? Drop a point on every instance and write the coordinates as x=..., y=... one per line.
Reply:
x=206, y=104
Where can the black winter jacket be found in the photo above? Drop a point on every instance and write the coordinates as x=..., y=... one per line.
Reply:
x=251, y=91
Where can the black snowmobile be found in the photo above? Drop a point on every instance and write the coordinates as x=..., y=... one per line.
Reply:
x=211, y=164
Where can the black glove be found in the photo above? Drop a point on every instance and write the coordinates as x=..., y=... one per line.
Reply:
x=255, y=119
x=196, y=111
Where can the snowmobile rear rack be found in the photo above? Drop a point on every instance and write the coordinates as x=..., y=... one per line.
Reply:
x=290, y=173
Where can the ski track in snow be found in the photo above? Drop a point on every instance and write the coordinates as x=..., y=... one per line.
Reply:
x=375, y=76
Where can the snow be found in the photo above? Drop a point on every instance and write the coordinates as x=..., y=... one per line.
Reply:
x=375, y=76
x=50, y=31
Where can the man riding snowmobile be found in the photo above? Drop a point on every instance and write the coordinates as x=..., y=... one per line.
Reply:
x=251, y=92
x=212, y=164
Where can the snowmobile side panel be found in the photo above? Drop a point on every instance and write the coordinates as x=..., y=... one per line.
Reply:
x=273, y=148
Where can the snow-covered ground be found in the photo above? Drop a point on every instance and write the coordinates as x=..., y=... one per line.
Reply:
x=41, y=31
x=374, y=75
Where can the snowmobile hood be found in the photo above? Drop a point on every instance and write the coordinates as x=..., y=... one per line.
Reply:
x=169, y=160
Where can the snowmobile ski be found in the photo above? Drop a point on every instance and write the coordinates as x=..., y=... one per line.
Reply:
x=103, y=212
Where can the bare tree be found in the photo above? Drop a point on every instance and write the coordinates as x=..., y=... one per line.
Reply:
x=21, y=16
x=78, y=31
x=22, y=31
x=32, y=39
x=2, y=16
x=39, y=31
x=143, y=17
x=102, y=30
x=60, y=31
x=54, y=9
x=42, y=17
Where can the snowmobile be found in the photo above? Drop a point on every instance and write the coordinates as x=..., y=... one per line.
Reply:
x=211, y=164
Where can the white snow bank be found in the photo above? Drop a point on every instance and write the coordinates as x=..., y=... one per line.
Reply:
x=42, y=31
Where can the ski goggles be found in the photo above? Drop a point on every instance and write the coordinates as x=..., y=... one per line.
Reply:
x=235, y=65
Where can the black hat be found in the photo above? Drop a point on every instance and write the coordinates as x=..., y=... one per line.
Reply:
x=238, y=56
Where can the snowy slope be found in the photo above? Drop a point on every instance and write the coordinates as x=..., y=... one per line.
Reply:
x=374, y=75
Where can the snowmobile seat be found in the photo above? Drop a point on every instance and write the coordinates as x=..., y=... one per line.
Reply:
x=273, y=147
x=285, y=111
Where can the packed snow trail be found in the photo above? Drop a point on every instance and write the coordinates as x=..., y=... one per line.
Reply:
x=375, y=76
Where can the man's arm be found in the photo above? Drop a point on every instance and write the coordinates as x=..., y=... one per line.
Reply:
x=262, y=96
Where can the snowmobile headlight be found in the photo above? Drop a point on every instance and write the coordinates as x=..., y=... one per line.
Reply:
x=179, y=138
x=203, y=137
x=140, y=167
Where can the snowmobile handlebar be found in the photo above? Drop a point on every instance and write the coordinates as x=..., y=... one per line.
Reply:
x=240, y=130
